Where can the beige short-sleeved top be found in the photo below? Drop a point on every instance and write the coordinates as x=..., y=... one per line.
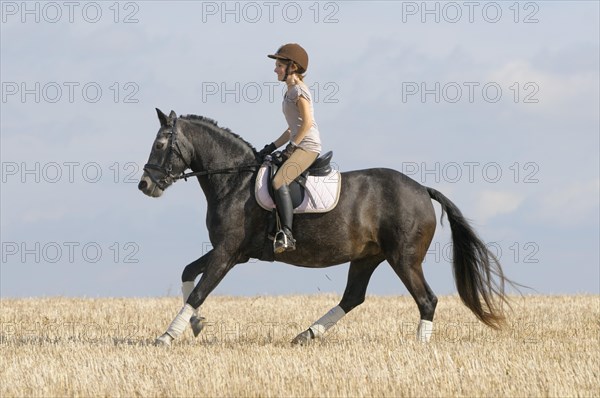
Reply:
x=312, y=140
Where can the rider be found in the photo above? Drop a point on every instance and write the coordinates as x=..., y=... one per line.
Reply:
x=291, y=62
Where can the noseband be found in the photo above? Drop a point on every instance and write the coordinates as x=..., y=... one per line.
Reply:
x=167, y=171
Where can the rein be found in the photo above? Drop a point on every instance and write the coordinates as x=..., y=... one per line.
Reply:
x=229, y=170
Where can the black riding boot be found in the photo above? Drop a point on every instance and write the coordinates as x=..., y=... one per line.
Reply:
x=283, y=239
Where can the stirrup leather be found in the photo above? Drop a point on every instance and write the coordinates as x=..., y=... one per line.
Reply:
x=283, y=242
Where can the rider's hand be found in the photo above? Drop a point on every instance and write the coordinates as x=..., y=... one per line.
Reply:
x=267, y=150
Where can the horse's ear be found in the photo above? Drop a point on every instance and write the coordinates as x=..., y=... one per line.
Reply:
x=172, y=117
x=162, y=117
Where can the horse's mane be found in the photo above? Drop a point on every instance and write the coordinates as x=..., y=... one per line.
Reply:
x=212, y=122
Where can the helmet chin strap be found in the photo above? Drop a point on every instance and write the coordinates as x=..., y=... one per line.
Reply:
x=287, y=71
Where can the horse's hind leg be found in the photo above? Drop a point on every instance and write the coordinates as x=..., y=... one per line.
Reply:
x=359, y=275
x=407, y=264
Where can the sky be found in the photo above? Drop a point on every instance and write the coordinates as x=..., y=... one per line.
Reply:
x=495, y=104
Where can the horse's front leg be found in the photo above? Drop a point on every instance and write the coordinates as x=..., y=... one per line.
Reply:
x=216, y=264
x=189, y=275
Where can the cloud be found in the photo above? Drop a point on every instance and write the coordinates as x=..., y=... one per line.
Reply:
x=571, y=205
x=493, y=203
x=549, y=89
x=41, y=215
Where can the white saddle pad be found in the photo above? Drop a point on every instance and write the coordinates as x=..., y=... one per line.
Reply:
x=322, y=193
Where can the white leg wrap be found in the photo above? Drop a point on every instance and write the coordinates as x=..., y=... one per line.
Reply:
x=327, y=321
x=424, y=331
x=182, y=319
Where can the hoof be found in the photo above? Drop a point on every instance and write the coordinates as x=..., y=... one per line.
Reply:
x=303, y=338
x=163, y=341
x=197, y=324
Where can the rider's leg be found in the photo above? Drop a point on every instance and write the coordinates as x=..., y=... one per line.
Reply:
x=288, y=172
x=284, y=239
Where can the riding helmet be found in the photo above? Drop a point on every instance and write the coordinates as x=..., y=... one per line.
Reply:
x=292, y=52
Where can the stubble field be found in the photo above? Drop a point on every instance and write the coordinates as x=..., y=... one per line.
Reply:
x=103, y=347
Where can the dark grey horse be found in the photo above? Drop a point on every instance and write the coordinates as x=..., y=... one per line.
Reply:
x=382, y=215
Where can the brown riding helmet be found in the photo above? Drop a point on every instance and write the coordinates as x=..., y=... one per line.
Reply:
x=292, y=52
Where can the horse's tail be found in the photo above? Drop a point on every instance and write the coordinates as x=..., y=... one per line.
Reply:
x=477, y=273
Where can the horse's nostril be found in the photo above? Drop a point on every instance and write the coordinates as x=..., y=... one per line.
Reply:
x=142, y=185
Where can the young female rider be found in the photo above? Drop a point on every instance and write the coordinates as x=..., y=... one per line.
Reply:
x=304, y=146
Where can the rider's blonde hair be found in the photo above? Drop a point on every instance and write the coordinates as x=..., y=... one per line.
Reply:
x=294, y=73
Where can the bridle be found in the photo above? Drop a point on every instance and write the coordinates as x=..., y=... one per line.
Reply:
x=169, y=178
x=167, y=171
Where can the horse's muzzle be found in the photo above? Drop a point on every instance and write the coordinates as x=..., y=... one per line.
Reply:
x=148, y=187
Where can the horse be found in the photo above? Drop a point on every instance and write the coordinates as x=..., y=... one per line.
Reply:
x=381, y=215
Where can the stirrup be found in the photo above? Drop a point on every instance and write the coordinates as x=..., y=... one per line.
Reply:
x=283, y=242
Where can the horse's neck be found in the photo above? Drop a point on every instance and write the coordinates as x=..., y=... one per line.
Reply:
x=215, y=148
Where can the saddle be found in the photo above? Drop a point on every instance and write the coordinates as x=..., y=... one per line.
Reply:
x=317, y=190
x=321, y=167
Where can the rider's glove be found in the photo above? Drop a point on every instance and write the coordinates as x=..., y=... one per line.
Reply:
x=267, y=150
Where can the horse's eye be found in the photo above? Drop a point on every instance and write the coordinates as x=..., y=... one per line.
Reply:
x=160, y=145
